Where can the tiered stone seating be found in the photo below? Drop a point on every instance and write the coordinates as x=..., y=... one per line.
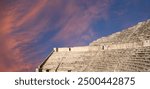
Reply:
x=108, y=60
x=78, y=59
x=139, y=61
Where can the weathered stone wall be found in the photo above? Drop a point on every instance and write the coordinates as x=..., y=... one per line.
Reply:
x=61, y=49
x=124, y=46
x=104, y=47
x=76, y=49
x=84, y=48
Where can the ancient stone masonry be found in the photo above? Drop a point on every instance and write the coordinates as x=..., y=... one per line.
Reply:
x=128, y=50
x=104, y=47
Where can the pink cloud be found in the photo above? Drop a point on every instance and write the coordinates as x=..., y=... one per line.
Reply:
x=32, y=13
x=80, y=19
x=11, y=56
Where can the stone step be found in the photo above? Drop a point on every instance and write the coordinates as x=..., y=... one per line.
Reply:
x=136, y=67
x=129, y=68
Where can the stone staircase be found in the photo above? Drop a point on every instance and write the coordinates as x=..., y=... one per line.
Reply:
x=78, y=60
x=132, y=60
x=139, y=61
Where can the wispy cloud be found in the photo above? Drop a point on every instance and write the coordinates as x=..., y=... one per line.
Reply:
x=11, y=56
x=32, y=13
x=80, y=18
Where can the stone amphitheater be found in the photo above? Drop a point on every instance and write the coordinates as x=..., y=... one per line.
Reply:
x=125, y=51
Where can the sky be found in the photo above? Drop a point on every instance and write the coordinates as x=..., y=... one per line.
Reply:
x=30, y=29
